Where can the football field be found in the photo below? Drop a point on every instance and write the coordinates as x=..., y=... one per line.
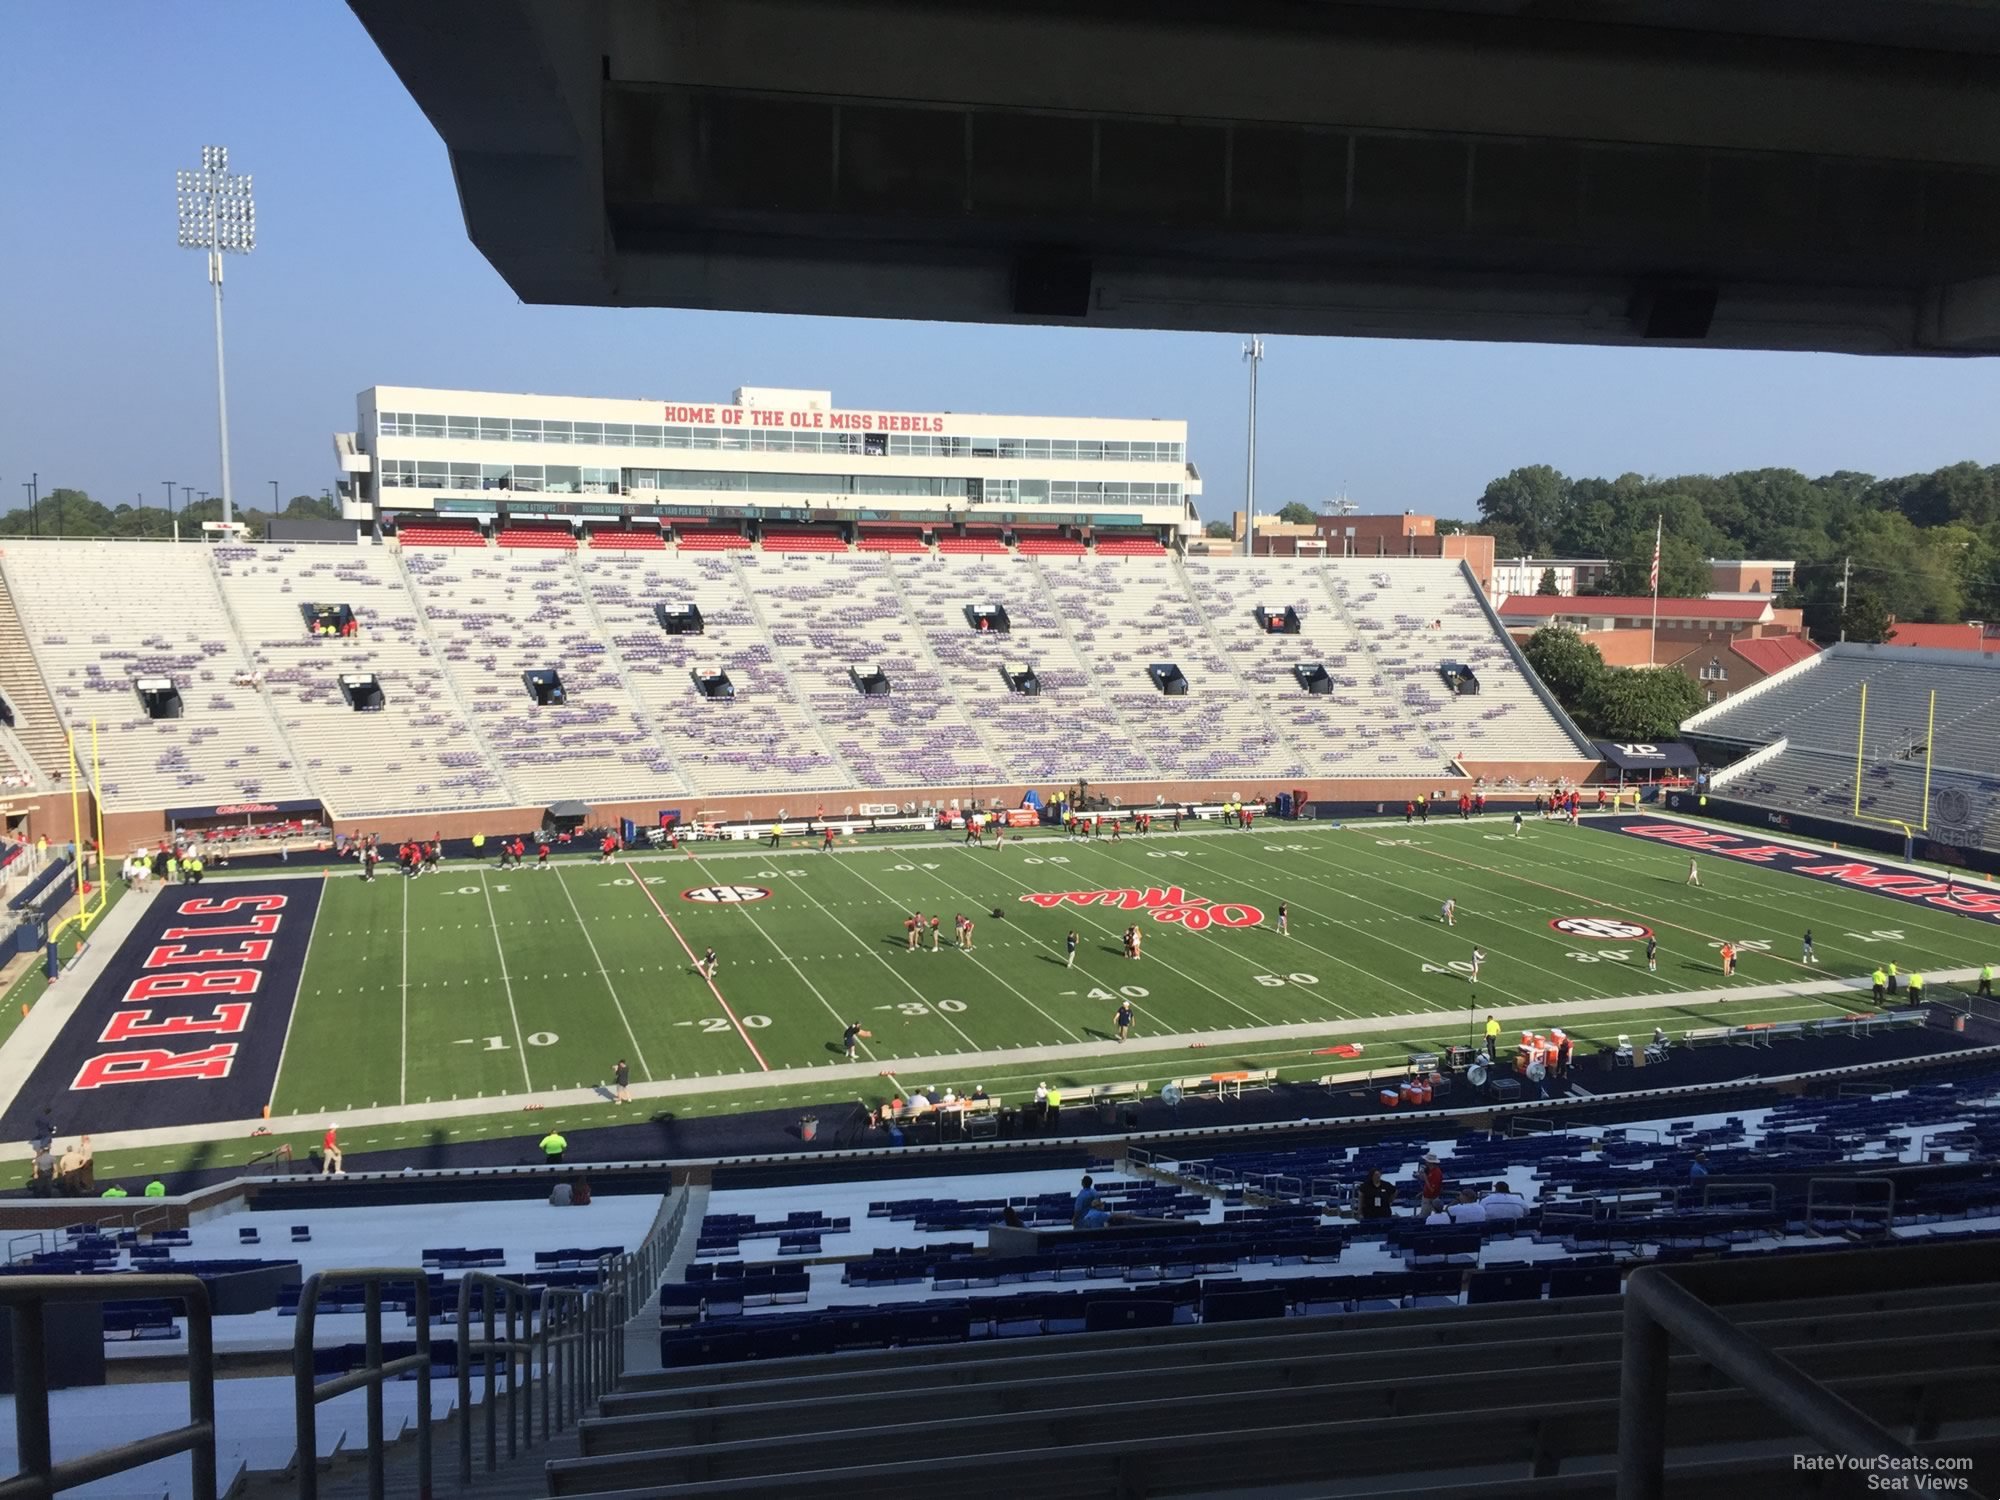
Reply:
x=479, y=982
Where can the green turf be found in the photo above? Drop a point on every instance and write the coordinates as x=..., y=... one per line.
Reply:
x=482, y=983
x=477, y=982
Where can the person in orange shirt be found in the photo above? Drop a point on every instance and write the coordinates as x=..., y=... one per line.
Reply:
x=332, y=1158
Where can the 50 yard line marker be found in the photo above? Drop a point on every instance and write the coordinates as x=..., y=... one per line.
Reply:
x=647, y=892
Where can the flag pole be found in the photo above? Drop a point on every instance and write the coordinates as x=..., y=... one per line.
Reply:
x=1653, y=640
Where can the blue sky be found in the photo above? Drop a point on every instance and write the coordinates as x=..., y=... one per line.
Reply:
x=363, y=275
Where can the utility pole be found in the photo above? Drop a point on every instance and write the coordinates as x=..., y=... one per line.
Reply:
x=1846, y=567
x=1253, y=355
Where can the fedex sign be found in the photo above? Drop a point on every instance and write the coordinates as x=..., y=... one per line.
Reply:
x=187, y=1021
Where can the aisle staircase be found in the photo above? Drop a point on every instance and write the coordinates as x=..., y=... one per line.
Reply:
x=36, y=723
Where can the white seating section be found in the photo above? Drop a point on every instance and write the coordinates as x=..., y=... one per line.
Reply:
x=1417, y=613
x=498, y=615
x=720, y=745
x=1126, y=614
x=449, y=633
x=100, y=614
x=1067, y=730
x=828, y=615
x=1343, y=733
x=418, y=751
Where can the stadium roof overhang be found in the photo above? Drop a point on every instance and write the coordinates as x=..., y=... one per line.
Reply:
x=1811, y=174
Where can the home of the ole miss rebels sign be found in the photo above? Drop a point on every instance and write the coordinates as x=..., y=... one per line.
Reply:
x=186, y=1023
x=1819, y=864
x=1169, y=904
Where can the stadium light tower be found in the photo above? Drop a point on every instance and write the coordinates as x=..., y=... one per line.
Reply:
x=1253, y=355
x=217, y=215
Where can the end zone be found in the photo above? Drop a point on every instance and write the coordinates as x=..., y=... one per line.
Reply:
x=1836, y=867
x=187, y=1020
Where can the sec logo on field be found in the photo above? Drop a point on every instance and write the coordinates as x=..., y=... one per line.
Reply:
x=1600, y=927
x=716, y=895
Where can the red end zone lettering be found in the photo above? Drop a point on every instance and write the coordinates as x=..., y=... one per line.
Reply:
x=1889, y=881
x=187, y=1018
x=191, y=986
x=214, y=906
x=256, y=951
x=265, y=926
x=155, y=1065
x=139, y=1025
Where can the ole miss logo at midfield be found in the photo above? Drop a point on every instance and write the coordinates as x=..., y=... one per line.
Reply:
x=1168, y=904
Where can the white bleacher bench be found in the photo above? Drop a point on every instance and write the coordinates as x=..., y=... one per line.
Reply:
x=1226, y=1085
x=1104, y=1093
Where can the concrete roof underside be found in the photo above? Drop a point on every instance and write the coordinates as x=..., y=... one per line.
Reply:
x=1770, y=174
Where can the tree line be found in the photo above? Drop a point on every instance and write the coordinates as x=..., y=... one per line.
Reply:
x=1923, y=547
x=1613, y=703
x=72, y=513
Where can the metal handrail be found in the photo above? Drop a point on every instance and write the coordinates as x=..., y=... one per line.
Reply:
x=39, y=1475
x=1849, y=1193
x=309, y=1392
x=520, y=1303
x=1667, y=1305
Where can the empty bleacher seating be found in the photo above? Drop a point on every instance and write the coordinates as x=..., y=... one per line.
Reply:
x=1815, y=708
x=447, y=634
x=97, y=615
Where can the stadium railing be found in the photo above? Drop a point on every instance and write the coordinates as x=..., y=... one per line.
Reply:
x=309, y=1392
x=39, y=1476
x=1679, y=1305
x=577, y=1335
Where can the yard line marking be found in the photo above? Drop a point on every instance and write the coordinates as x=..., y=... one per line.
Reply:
x=304, y=965
x=1255, y=961
x=403, y=1081
x=838, y=1018
x=623, y=1019
x=1857, y=906
x=1494, y=950
x=1008, y=987
x=709, y=978
x=1091, y=920
x=520, y=1046
x=932, y=1009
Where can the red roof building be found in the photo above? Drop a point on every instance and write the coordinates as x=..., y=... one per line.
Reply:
x=1973, y=636
x=1773, y=653
x=1726, y=645
x=1619, y=612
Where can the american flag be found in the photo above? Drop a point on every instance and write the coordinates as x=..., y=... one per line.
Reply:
x=1658, y=531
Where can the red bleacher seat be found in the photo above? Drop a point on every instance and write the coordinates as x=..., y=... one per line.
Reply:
x=712, y=541
x=1049, y=546
x=440, y=536
x=560, y=537
x=1130, y=546
x=803, y=541
x=893, y=544
x=960, y=544
x=627, y=541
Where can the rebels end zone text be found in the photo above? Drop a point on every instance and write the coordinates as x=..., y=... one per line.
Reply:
x=185, y=971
